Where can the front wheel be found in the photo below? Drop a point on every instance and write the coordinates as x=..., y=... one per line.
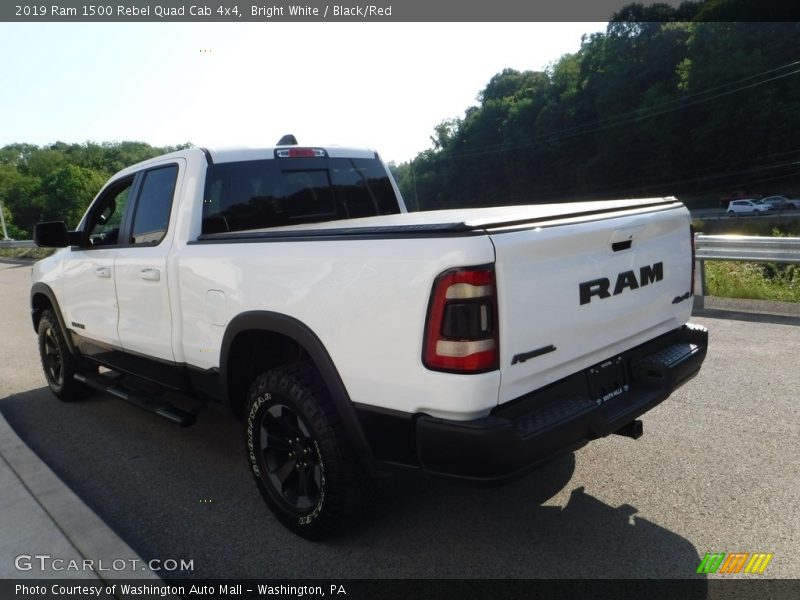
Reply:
x=58, y=363
x=299, y=454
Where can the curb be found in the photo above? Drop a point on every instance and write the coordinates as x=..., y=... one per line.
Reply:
x=60, y=515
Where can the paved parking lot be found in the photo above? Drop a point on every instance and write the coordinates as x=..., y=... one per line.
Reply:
x=716, y=471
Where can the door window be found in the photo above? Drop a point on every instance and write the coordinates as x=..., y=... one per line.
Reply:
x=106, y=218
x=154, y=205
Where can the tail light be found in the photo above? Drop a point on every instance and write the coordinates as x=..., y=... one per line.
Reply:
x=691, y=234
x=461, y=331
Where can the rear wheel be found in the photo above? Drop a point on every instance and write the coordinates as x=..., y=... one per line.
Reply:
x=299, y=454
x=58, y=363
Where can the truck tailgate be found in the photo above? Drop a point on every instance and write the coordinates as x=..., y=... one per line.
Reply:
x=575, y=292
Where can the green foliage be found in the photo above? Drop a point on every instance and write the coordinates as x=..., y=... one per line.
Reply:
x=14, y=232
x=57, y=182
x=761, y=226
x=753, y=281
x=662, y=103
x=66, y=192
x=31, y=253
x=756, y=281
x=747, y=10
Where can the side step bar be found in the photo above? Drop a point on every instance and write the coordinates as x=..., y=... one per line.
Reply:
x=158, y=407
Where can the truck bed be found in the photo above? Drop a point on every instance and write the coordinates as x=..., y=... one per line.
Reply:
x=457, y=221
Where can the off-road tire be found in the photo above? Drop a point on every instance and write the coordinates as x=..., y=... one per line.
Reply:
x=58, y=363
x=299, y=454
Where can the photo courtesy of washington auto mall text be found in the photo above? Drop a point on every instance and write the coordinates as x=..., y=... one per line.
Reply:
x=202, y=590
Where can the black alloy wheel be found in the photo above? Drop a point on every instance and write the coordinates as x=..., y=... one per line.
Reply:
x=52, y=360
x=299, y=453
x=292, y=457
x=58, y=363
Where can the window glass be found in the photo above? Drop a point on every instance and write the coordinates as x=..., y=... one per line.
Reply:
x=154, y=205
x=106, y=218
x=278, y=192
x=362, y=188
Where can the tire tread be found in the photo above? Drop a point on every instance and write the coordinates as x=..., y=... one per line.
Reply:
x=347, y=486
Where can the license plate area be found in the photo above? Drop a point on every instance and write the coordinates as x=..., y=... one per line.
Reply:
x=608, y=380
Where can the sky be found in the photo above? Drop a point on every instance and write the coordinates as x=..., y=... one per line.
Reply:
x=381, y=85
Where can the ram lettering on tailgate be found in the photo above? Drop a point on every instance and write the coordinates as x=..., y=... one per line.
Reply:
x=627, y=279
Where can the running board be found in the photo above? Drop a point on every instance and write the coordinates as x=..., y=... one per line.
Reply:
x=158, y=407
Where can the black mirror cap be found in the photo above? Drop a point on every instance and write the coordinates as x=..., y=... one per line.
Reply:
x=53, y=234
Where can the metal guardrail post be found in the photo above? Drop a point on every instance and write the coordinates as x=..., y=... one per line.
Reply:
x=699, y=283
x=699, y=277
x=3, y=223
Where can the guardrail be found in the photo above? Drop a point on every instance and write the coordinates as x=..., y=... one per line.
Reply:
x=17, y=244
x=749, y=248
x=742, y=248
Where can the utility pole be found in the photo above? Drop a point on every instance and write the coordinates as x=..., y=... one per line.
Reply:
x=3, y=223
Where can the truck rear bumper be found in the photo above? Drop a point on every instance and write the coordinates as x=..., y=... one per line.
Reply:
x=563, y=416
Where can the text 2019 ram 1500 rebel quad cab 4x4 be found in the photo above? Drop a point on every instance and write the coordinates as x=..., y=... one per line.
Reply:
x=353, y=337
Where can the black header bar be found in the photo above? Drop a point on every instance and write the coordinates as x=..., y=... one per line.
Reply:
x=241, y=11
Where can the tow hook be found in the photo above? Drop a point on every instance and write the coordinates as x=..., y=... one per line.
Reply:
x=634, y=429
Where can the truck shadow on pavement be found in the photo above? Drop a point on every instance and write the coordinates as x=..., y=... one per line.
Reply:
x=509, y=532
x=187, y=494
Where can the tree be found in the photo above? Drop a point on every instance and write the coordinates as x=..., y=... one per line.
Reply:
x=654, y=106
x=18, y=193
x=57, y=182
x=66, y=192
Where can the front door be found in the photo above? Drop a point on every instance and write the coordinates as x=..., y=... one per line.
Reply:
x=90, y=299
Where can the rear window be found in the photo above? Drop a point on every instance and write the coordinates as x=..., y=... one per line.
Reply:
x=289, y=191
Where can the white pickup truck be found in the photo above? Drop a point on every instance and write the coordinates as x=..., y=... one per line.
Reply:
x=353, y=337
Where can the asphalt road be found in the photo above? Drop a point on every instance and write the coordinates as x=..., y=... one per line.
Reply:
x=716, y=471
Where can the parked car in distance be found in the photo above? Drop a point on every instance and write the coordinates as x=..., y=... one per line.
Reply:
x=740, y=195
x=779, y=203
x=747, y=207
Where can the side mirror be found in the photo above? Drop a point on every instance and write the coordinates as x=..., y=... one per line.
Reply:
x=54, y=234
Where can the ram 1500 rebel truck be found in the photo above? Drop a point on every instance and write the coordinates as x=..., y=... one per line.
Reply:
x=353, y=337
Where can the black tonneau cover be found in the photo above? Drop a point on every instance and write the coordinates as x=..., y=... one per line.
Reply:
x=443, y=229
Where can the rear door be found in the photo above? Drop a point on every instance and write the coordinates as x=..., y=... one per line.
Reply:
x=573, y=294
x=145, y=317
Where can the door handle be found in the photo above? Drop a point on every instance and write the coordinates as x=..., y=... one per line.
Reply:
x=104, y=272
x=150, y=274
